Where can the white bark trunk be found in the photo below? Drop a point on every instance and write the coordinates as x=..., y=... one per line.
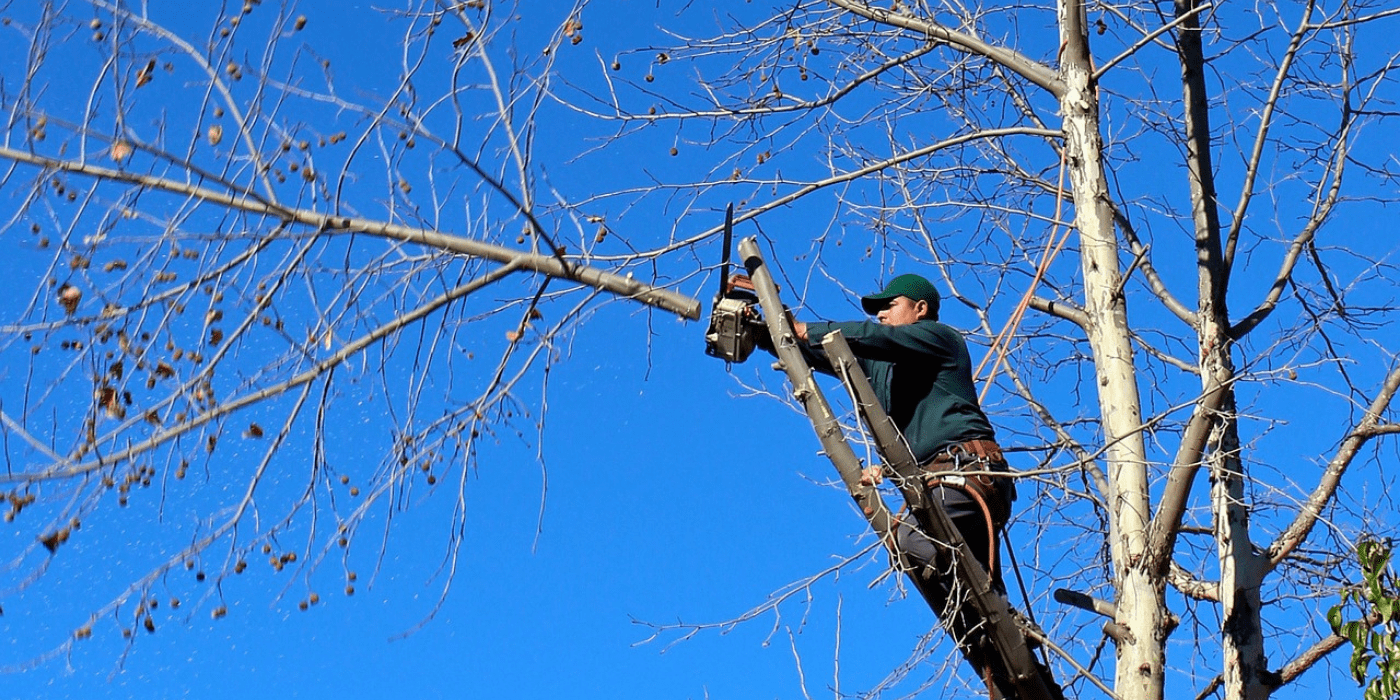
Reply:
x=1141, y=608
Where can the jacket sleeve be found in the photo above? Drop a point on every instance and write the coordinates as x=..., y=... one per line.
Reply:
x=875, y=341
x=811, y=352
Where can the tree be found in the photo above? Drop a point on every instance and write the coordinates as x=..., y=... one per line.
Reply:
x=955, y=135
x=229, y=250
x=1075, y=176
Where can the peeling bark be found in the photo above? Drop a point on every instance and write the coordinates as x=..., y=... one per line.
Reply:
x=1141, y=603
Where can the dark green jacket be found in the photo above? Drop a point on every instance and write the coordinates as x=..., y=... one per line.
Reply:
x=922, y=375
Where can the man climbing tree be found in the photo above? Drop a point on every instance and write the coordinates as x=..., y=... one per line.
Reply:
x=921, y=372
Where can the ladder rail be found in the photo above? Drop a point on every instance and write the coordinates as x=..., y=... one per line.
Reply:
x=992, y=608
x=1008, y=642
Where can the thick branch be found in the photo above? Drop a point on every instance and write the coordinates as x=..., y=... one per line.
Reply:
x=1167, y=521
x=552, y=265
x=1060, y=309
x=1033, y=71
x=1190, y=586
x=1312, y=655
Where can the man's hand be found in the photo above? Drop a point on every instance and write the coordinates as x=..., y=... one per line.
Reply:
x=798, y=328
x=872, y=476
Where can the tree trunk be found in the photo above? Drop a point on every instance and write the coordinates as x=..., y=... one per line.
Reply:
x=1141, y=606
x=1245, y=674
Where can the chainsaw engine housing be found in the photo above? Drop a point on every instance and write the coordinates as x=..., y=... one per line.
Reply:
x=731, y=333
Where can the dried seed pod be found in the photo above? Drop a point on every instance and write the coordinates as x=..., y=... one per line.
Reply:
x=69, y=297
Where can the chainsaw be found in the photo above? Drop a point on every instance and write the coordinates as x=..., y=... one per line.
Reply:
x=735, y=321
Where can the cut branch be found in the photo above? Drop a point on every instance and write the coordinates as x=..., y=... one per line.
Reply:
x=553, y=265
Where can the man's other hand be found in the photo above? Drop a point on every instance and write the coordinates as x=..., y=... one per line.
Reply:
x=872, y=476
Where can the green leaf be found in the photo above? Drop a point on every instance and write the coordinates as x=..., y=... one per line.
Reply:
x=1367, y=551
x=1382, y=558
x=1360, y=661
x=1385, y=686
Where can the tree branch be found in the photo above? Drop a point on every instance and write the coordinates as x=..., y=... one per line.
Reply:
x=65, y=469
x=552, y=265
x=1060, y=309
x=1147, y=39
x=1167, y=521
x=1037, y=73
x=1308, y=515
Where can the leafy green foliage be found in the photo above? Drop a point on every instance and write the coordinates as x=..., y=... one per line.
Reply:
x=1375, y=636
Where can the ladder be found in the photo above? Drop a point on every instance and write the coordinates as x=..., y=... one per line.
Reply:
x=997, y=635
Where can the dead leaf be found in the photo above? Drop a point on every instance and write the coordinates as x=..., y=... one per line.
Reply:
x=146, y=74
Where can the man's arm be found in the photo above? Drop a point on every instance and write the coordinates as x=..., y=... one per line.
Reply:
x=874, y=341
x=814, y=355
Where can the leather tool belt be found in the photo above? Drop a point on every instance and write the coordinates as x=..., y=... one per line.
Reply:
x=972, y=450
x=974, y=459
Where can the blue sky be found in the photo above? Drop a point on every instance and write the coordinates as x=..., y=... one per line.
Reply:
x=665, y=490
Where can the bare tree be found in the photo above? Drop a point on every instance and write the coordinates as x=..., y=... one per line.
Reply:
x=224, y=250
x=226, y=243
x=1247, y=145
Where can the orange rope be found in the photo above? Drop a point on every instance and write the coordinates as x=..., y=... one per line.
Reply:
x=992, y=559
x=1002, y=342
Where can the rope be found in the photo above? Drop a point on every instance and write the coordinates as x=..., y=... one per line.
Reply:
x=1002, y=342
x=1025, y=598
x=999, y=349
x=986, y=516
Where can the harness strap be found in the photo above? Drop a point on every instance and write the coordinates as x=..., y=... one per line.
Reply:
x=976, y=495
x=973, y=458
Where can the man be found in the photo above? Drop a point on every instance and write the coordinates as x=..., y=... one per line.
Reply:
x=922, y=375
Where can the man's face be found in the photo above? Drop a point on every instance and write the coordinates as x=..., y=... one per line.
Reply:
x=902, y=311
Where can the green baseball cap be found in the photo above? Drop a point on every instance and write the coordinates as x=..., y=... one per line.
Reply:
x=912, y=286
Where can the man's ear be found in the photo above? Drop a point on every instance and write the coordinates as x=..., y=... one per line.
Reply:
x=921, y=308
